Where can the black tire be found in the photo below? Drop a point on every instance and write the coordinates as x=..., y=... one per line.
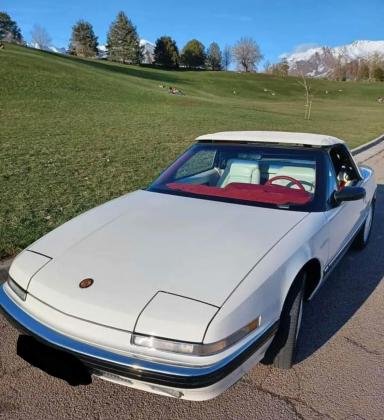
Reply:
x=362, y=238
x=281, y=353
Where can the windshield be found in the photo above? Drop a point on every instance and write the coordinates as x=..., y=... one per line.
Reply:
x=243, y=173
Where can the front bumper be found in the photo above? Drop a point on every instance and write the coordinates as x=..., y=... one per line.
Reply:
x=100, y=360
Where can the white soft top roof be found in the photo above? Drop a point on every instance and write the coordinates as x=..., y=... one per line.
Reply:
x=273, y=137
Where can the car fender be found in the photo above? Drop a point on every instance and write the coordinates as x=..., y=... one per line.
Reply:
x=264, y=289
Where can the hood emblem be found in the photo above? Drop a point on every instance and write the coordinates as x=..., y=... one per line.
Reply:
x=84, y=284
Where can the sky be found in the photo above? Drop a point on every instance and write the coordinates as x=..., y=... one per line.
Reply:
x=278, y=26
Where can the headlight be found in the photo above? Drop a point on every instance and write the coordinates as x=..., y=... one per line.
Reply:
x=194, y=349
x=21, y=293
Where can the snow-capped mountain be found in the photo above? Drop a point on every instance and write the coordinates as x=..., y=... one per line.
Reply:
x=148, y=51
x=318, y=61
x=50, y=48
x=102, y=51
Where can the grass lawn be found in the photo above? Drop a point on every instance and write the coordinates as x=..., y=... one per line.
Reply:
x=75, y=133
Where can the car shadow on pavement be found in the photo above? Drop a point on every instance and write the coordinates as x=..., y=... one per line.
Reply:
x=54, y=362
x=345, y=291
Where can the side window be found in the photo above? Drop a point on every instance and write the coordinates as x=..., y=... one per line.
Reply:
x=202, y=161
x=343, y=167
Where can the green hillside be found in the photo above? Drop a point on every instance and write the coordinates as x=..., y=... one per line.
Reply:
x=75, y=133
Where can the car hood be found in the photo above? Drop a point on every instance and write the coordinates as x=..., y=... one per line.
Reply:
x=145, y=243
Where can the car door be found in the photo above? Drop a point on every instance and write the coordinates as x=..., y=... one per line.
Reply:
x=343, y=219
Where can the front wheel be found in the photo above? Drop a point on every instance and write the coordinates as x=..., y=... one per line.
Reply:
x=364, y=234
x=282, y=350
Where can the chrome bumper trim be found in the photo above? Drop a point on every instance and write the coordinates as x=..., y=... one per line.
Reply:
x=132, y=367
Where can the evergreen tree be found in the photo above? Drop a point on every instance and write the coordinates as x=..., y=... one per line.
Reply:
x=166, y=52
x=83, y=40
x=9, y=31
x=214, y=57
x=123, y=43
x=193, y=55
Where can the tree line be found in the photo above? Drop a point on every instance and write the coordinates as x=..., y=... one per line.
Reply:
x=123, y=46
x=368, y=69
x=340, y=68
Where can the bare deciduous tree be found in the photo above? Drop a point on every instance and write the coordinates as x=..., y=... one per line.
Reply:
x=40, y=37
x=308, y=97
x=227, y=57
x=247, y=54
x=267, y=67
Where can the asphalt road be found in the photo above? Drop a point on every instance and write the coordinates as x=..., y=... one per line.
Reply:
x=339, y=371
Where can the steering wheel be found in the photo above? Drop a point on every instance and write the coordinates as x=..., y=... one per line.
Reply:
x=287, y=178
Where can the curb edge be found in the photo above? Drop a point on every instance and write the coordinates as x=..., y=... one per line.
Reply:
x=368, y=145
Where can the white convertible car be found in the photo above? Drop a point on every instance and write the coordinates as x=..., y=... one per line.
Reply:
x=180, y=288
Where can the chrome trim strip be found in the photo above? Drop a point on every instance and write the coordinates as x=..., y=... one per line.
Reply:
x=35, y=328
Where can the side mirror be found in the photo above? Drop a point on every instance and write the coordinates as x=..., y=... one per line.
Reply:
x=349, y=194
